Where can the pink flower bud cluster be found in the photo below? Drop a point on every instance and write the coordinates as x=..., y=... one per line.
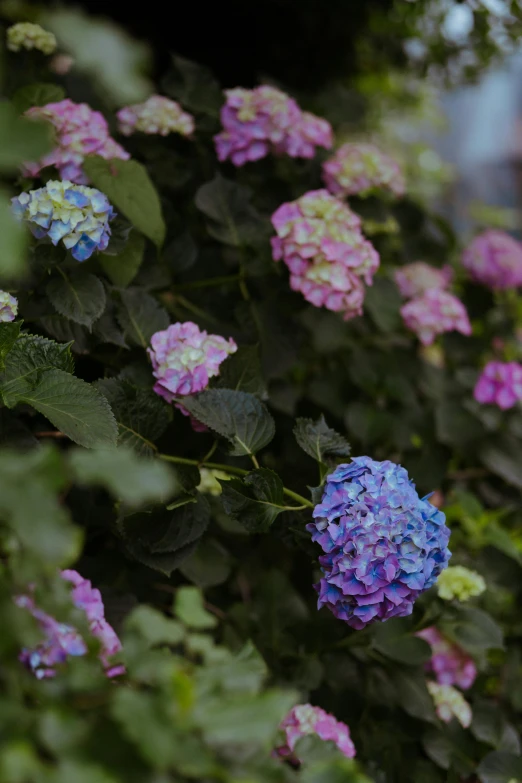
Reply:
x=449, y=663
x=320, y=240
x=417, y=278
x=433, y=313
x=360, y=169
x=494, y=259
x=156, y=116
x=500, y=384
x=80, y=131
x=265, y=119
x=304, y=720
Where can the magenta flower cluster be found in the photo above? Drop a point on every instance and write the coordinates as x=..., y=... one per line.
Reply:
x=303, y=720
x=319, y=238
x=500, y=384
x=62, y=641
x=383, y=546
x=494, y=259
x=360, y=169
x=185, y=358
x=263, y=120
x=450, y=664
x=80, y=131
x=415, y=279
x=434, y=313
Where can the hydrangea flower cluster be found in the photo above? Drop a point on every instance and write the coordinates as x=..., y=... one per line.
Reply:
x=460, y=583
x=415, y=279
x=450, y=664
x=433, y=313
x=263, y=120
x=62, y=641
x=80, y=131
x=26, y=35
x=494, y=259
x=500, y=383
x=157, y=115
x=75, y=214
x=8, y=307
x=304, y=719
x=320, y=241
x=359, y=169
x=185, y=358
x=450, y=703
x=383, y=545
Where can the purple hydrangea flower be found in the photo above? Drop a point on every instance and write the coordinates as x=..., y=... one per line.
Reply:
x=359, y=169
x=263, y=120
x=80, y=131
x=61, y=640
x=306, y=719
x=494, y=259
x=450, y=664
x=415, y=279
x=75, y=214
x=8, y=307
x=433, y=313
x=500, y=383
x=383, y=545
x=320, y=241
x=185, y=358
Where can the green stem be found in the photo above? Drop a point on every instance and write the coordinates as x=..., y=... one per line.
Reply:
x=235, y=472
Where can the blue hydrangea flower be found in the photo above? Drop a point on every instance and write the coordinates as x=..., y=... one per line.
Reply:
x=75, y=214
x=383, y=545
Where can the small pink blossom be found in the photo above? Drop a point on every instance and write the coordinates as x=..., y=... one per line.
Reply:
x=415, y=279
x=494, y=259
x=304, y=720
x=433, y=313
x=359, y=169
x=156, y=116
x=500, y=384
x=449, y=662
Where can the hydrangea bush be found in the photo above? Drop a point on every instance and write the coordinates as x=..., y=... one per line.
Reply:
x=259, y=521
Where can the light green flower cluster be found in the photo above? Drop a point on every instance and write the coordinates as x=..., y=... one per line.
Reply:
x=209, y=481
x=450, y=703
x=461, y=583
x=26, y=35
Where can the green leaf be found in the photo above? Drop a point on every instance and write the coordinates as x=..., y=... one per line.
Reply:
x=472, y=629
x=504, y=459
x=140, y=316
x=396, y=641
x=500, y=767
x=194, y=86
x=129, y=477
x=13, y=259
x=123, y=268
x=181, y=253
x=256, y=501
x=142, y=416
x=65, y=331
x=143, y=719
x=38, y=94
x=209, y=565
x=232, y=218
x=80, y=297
x=74, y=407
x=153, y=626
x=21, y=139
x=413, y=695
x=455, y=425
x=235, y=415
x=129, y=188
x=189, y=608
x=242, y=371
x=383, y=302
x=319, y=441
x=8, y=336
x=28, y=359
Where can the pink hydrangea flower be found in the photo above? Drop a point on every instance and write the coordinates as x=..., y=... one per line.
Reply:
x=449, y=662
x=417, y=278
x=185, y=358
x=320, y=241
x=500, y=384
x=263, y=120
x=358, y=169
x=80, y=131
x=433, y=313
x=306, y=719
x=62, y=641
x=157, y=115
x=450, y=703
x=8, y=307
x=494, y=259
